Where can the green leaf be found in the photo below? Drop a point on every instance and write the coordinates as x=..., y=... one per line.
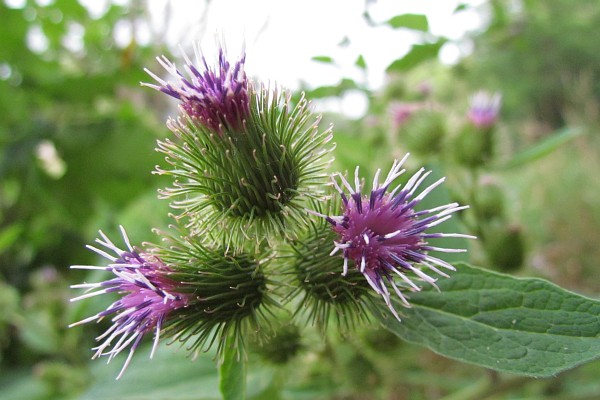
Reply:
x=9, y=235
x=417, y=22
x=461, y=7
x=417, y=54
x=232, y=375
x=323, y=59
x=523, y=326
x=171, y=374
x=333, y=91
x=360, y=62
x=544, y=147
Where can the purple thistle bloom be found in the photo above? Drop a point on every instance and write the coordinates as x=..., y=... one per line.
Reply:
x=385, y=236
x=149, y=297
x=217, y=97
x=484, y=109
x=400, y=112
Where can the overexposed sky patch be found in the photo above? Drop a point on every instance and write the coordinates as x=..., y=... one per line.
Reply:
x=281, y=37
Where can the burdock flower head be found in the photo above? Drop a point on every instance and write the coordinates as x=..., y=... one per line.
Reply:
x=217, y=97
x=385, y=236
x=149, y=297
x=484, y=109
x=245, y=158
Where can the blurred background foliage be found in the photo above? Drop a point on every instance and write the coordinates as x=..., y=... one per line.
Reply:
x=77, y=138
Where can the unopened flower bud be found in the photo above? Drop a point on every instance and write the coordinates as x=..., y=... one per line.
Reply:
x=489, y=199
x=424, y=132
x=228, y=294
x=284, y=345
x=473, y=148
x=505, y=247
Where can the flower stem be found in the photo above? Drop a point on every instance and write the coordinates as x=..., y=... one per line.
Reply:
x=232, y=372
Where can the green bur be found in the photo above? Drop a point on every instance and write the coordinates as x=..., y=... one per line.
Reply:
x=251, y=184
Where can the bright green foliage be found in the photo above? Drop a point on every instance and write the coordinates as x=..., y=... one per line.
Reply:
x=411, y=21
x=523, y=326
x=418, y=54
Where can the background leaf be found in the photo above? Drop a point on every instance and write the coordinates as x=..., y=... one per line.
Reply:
x=417, y=54
x=524, y=326
x=544, y=147
x=417, y=22
x=323, y=59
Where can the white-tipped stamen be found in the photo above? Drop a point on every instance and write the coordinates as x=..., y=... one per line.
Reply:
x=418, y=183
x=86, y=285
x=413, y=179
x=428, y=190
x=87, y=295
x=356, y=180
x=440, y=263
x=438, y=221
x=317, y=214
x=376, y=179
x=392, y=234
x=399, y=293
x=89, y=267
x=405, y=278
x=422, y=275
x=102, y=253
x=125, y=238
x=452, y=210
x=126, y=364
x=434, y=269
x=84, y=321
x=346, y=183
x=454, y=235
x=386, y=297
x=156, y=339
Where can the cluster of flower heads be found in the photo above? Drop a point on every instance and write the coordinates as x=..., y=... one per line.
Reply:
x=247, y=167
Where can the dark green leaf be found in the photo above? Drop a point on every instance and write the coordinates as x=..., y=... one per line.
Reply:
x=232, y=375
x=460, y=7
x=544, y=147
x=417, y=54
x=524, y=326
x=410, y=21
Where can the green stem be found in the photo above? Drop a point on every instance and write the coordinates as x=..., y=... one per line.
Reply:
x=232, y=372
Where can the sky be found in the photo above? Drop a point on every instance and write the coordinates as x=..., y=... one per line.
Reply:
x=281, y=37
